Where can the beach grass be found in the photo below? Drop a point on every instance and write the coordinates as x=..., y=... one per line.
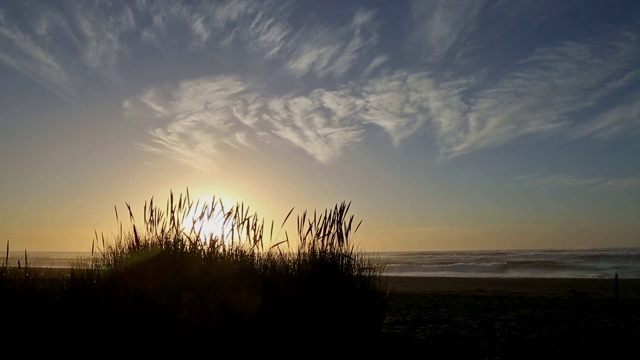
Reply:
x=166, y=279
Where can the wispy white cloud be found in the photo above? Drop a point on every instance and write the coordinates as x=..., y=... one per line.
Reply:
x=23, y=53
x=375, y=63
x=402, y=102
x=543, y=94
x=572, y=181
x=85, y=39
x=55, y=48
x=207, y=22
x=199, y=119
x=90, y=38
x=102, y=31
x=231, y=11
x=203, y=118
x=565, y=180
x=622, y=184
x=257, y=26
x=268, y=34
x=262, y=27
x=324, y=123
x=319, y=123
x=153, y=100
x=551, y=86
x=619, y=120
x=325, y=51
x=439, y=25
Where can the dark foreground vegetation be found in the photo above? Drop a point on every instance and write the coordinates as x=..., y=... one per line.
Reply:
x=167, y=284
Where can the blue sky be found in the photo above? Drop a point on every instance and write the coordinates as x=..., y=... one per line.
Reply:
x=447, y=124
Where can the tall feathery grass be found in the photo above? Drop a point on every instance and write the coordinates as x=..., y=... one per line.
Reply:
x=169, y=279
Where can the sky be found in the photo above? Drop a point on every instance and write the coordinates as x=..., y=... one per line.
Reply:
x=447, y=125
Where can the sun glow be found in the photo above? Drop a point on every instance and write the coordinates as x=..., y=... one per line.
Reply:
x=216, y=220
x=212, y=220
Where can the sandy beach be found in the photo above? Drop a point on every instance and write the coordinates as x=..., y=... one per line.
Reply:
x=480, y=318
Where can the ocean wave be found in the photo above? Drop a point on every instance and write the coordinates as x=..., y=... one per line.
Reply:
x=556, y=263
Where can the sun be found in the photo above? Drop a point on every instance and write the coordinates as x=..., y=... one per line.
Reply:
x=212, y=228
x=211, y=221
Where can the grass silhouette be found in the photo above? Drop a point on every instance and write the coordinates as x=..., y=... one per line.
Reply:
x=169, y=282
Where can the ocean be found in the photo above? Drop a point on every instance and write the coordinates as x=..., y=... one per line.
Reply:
x=540, y=263
x=48, y=259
